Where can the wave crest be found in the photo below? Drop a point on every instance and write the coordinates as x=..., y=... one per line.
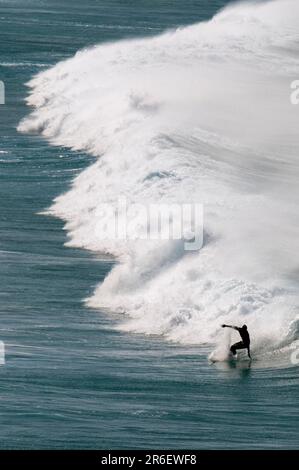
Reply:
x=198, y=114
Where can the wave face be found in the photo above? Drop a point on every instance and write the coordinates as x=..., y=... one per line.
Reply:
x=199, y=114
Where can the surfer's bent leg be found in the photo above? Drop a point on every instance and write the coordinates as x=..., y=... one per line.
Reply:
x=234, y=347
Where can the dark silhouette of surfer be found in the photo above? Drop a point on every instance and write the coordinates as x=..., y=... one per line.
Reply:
x=244, y=344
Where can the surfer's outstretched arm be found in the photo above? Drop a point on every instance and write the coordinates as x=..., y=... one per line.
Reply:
x=231, y=326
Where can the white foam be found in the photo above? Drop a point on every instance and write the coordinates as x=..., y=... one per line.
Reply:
x=207, y=107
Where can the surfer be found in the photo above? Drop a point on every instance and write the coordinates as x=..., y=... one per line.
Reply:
x=244, y=344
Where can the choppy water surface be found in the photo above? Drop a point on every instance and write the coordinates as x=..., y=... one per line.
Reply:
x=82, y=377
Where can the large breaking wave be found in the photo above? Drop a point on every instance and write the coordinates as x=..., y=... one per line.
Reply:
x=198, y=114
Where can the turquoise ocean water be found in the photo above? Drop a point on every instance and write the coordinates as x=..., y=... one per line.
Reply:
x=71, y=379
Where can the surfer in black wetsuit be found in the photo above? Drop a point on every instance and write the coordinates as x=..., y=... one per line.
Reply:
x=244, y=344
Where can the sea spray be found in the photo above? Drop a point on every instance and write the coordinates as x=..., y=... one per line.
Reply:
x=201, y=114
